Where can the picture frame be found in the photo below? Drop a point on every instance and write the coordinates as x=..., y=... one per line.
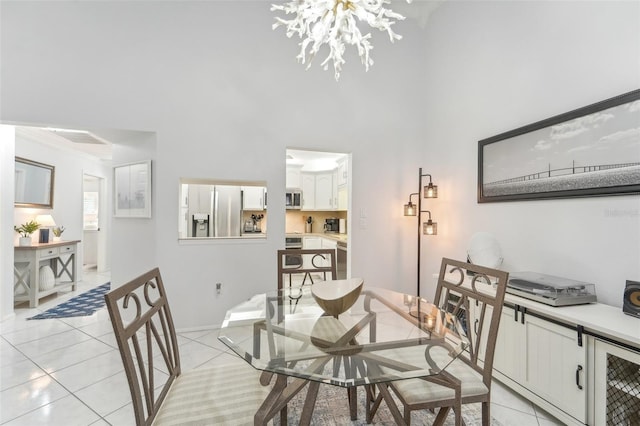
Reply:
x=132, y=190
x=34, y=183
x=591, y=151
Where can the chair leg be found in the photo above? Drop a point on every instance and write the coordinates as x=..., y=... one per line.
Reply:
x=391, y=405
x=372, y=409
x=486, y=413
x=407, y=414
x=441, y=416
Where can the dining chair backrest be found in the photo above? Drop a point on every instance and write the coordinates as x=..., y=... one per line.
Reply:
x=475, y=295
x=146, y=337
x=306, y=265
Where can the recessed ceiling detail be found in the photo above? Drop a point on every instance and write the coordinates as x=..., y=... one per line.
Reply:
x=78, y=136
x=80, y=141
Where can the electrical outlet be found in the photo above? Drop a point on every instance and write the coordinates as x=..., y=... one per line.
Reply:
x=218, y=287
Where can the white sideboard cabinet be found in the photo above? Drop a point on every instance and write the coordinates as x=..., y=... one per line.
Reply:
x=560, y=359
x=579, y=363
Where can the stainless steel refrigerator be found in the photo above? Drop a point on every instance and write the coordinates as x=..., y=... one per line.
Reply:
x=214, y=210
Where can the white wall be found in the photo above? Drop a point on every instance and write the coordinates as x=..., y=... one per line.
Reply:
x=497, y=66
x=134, y=243
x=225, y=97
x=7, y=171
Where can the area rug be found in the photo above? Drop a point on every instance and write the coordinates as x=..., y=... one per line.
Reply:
x=83, y=305
x=332, y=409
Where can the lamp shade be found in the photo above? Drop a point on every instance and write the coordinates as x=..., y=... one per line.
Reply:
x=45, y=220
x=410, y=209
x=430, y=191
x=430, y=228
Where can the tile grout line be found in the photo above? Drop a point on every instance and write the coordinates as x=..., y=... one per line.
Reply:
x=48, y=374
x=69, y=393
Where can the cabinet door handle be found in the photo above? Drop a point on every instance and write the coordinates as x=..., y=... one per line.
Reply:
x=515, y=312
x=475, y=326
x=578, y=370
x=522, y=316
x=580, y=330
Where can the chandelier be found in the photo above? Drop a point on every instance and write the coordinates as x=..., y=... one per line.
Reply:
x=334, y=23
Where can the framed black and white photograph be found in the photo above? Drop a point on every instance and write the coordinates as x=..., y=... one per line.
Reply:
x=592, y=151
x=132, y=190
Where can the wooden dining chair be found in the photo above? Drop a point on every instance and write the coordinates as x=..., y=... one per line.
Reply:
x=161, y=393
x=306, y=265
x=462, y=290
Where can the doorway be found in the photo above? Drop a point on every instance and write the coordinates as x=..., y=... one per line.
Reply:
x=322, y=181
x=93, y=214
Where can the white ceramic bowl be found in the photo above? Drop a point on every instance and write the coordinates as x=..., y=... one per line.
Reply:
x=335, y=297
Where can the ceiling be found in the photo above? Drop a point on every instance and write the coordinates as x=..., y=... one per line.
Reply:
x=314, y=161
x=68, y=139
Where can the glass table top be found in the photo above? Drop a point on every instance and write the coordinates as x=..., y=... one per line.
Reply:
x=384, y=336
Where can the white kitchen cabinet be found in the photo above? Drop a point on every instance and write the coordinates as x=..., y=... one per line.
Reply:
x=325, y=195
x=545, y=358
x=253, y=197
x=317, y=243
x=334, y=189
x=616, y=384
x=310, y=243
x=343, y=172
x=331, y=245
x=308, y=184
x=294, y=176
x=343, y=198
x=319, y=191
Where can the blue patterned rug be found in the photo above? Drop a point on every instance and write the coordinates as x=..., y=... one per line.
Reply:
x=80, y=306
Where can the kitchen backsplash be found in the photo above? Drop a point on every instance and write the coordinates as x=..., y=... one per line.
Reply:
x=295, y=221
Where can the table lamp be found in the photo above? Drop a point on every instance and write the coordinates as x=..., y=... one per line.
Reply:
x=46, y=222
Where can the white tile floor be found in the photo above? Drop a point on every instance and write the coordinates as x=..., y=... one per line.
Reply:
x=68, y=371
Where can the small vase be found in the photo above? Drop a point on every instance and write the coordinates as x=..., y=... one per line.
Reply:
x=25, y=241
x=56, y=239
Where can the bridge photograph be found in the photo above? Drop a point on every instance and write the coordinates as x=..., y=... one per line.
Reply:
x=591, y=151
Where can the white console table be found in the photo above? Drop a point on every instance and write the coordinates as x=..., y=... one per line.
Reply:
x=60, y=256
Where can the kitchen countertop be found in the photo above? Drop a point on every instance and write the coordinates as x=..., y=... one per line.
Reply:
x=329, y=235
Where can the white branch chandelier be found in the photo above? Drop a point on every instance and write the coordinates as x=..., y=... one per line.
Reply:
x=333, y=22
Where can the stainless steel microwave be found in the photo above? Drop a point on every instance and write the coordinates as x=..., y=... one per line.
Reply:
x=293, y=199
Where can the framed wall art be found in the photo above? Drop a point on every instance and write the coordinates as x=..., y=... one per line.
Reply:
x=34, y=184
x=132, y=190
x=592, y=151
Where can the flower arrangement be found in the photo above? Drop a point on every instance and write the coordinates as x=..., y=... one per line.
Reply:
x=26, y=229
x=58, y=230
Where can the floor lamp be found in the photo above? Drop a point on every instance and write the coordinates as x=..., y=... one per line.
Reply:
x=426, y=228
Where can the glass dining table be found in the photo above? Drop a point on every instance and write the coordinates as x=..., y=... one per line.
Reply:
x=384, y=336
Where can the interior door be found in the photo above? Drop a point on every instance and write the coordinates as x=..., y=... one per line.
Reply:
x=93, y=240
